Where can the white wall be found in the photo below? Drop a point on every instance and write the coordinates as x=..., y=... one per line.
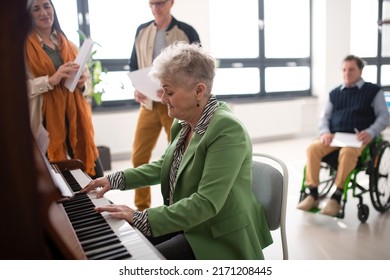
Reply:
x=331, y=43
x=264, y=120
x=196, y=13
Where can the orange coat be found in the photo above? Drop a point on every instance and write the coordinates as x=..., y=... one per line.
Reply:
x=64, y=112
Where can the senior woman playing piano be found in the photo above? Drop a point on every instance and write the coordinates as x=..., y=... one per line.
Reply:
x=209, y=209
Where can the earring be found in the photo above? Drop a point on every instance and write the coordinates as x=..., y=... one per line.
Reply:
x=197, y=104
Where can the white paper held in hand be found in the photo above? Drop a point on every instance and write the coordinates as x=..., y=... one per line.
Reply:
x=144, y=84
x=81, y=59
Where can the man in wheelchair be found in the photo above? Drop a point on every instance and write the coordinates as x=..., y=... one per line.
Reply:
x=354, y=107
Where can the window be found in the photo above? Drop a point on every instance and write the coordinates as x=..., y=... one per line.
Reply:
x=67, y=16
x=251, y=49
x=384, y=31
x=377, y=52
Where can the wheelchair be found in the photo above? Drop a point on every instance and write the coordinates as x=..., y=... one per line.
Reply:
x=375, y=162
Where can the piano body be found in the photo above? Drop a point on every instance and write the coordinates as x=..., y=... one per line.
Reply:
x=79, y=232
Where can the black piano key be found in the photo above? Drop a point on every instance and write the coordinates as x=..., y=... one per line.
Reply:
x=71, y=180
x=97, y=238
x=104, y=252
x=81, y=214
x=94, y=234
x=77, y=208
x=77, y=205
x=77, y=199
x=77, y=225
x=88, y=236
x=106, y=241
x=85, y=219
x=91, y=228
x=116, y=254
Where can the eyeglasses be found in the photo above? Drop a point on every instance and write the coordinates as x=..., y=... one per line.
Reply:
x=158, y=4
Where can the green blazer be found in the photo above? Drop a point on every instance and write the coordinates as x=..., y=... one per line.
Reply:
x=213, y=200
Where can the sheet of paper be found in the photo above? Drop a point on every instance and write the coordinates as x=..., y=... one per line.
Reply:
x=42, y=139
x=61, y=184
x=342, y=139
x=57, y=178
x=81, y=59
x=144, y=84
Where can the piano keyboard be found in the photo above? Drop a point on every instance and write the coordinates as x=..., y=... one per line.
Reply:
x=101, y=236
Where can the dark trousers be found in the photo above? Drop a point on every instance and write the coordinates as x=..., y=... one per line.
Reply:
x=173, y=246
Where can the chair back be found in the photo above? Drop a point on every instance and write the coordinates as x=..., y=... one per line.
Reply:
x=270, y=184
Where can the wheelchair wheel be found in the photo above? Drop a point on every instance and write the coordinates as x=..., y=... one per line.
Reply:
x=363, y=212
x=327, y=177
x=380, y=178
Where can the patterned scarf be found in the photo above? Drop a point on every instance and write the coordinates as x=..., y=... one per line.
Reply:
x=200, y=128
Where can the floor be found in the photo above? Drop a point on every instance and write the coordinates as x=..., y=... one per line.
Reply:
x=310, y=236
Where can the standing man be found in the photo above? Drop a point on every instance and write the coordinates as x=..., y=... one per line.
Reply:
x=150, y=39
x=355, y=106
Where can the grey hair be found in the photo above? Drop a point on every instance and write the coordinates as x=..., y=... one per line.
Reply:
x=184, y=65
x=29, y=4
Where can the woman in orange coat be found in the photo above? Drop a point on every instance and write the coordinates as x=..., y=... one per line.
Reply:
x=65, y=115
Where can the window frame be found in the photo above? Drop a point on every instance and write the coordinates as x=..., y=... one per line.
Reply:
x=260, y=62
x=379, y=60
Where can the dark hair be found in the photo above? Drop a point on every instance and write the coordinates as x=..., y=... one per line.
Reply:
x=56, y=23
x=360, y=63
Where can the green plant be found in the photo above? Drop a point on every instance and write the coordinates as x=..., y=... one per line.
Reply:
x=95, y=69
